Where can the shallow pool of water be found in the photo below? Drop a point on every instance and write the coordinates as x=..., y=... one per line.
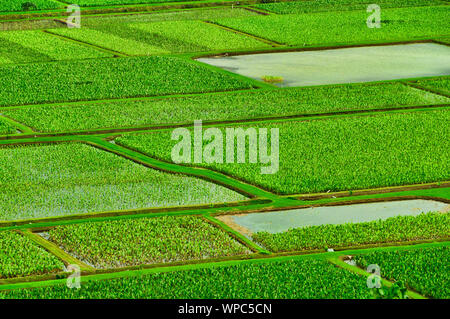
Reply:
x=347, y=65
x=280, y=221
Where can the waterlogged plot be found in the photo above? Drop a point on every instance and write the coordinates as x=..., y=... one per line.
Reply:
x=297, y=279
x=65, y=179
x=19, y=5
x=334, y=28
x=51, y=46
x=423, y=270
x=299, y=7
x=127, y=77
x=145, y=241
x=427, y=226
x=196, y=36
x=342, y=153
x=110, y=41
x=236, y=105
x=19, y=256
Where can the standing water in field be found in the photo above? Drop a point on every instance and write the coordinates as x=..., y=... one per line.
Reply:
x=347, y=65
x=275, y=222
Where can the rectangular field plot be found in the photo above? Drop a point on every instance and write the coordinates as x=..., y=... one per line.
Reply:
x=145, y=241
x=128, y=77
x=337, y=28
x=65, y=179
x=19, y=256
x=87, y=3
x=229, y=106
x=17, y=5
x=423, y=270
x=302, y=279
x=351, y=65
x=337, y=153
x=427, y=226
x=49, y=46
x=299, y=7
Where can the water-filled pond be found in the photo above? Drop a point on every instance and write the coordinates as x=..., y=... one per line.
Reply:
x=346, y=65
x=281, y=221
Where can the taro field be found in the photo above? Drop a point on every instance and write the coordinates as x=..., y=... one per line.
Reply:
x=253, y=150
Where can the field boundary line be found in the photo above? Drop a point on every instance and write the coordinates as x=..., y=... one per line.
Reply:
x=89, y=45
x=261, y=39
x=356, y=270
x=202, y=264
x=426, y=89
x=55, y=250
x=17, y=125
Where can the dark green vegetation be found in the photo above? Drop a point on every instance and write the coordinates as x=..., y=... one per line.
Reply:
x=311, y=279
x=239, y=105
x=145, y=241
x=299, y=7
x=130, y=77
x=394, y=229
x=33, y=5
x=72, y=178
x=340, y=153
x=423, y=270
x=6, y=128
x=333, y=28
x=19, y=256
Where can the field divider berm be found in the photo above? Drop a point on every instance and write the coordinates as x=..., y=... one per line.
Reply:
x=52, y=248
x=413, y=84
x=19, y=126
x=216, y=177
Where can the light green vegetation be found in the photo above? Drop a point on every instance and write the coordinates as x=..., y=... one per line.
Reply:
x=6, y=128
x=394, y=229
x=16, y=5
x=298, y=7
x=193, y=14
x=11, y=52
x=298, y=279
x=423, y=270
x=51, y=46
x=340, y=153
x=110, y=41
x=441, y=85
x=87, y=3
x=127, y=77
x=333, y=28
x=238, y=105
x=64, y=179
x=19, y=256
x=145, y=241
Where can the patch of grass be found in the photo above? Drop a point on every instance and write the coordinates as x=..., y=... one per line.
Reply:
x=395, y=229
x=17, y=5
x=423, y=270
x=19, y=256
x=128, y=77
x=6, y=128
x=299, y=7
x=334, y=28
x=301, y=279
x=51, y=46
x=441, y=85
x=238, y=105
x=65, y=179
x=145, y=241
x=339, y=153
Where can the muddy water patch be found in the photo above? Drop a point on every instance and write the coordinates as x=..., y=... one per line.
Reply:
x=346, y=65
x=281, y=221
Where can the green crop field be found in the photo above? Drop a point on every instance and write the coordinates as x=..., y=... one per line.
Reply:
x=149, y=147
x=395, y=229
x=423, y=270
x=325, y=154
x=19, y=256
